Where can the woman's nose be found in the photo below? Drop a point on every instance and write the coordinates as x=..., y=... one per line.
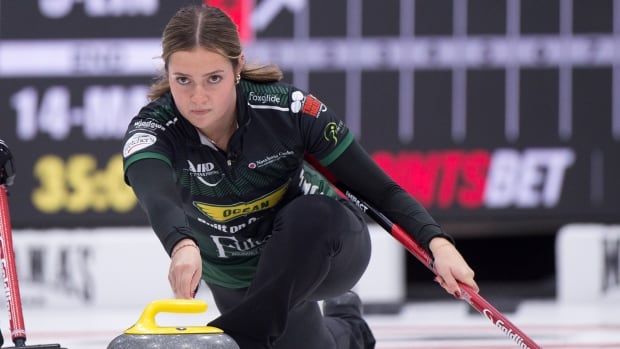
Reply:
x=199, y=96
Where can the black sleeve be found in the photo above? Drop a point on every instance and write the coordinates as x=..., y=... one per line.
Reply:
x=355, y=168
x=152, y=181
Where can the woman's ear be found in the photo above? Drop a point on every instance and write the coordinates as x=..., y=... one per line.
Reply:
x=240, y=64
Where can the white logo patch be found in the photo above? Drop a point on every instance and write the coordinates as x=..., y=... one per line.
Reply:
x=148, y=124
x=138, y=142
x=205, y=172
x=270, y=159
x=296, y=104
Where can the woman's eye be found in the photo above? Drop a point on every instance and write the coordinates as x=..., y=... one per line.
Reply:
x=214, y=79
x=182, y=80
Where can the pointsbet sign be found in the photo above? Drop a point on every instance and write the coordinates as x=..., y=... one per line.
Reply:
x=482, y=179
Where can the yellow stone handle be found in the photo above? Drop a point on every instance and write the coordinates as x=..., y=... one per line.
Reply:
x=146, y=323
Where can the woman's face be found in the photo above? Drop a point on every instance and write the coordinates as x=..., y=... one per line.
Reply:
x=202, y=83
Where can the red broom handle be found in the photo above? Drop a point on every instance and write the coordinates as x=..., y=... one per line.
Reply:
x=14, y=301
x=467, y=293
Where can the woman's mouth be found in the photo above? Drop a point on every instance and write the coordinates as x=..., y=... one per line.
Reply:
x=200, y=111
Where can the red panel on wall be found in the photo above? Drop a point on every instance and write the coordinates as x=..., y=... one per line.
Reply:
x=240, y=11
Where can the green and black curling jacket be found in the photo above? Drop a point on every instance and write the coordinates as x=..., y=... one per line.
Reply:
x=226, y=201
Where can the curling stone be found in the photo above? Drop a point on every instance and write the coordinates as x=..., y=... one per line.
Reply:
x=146, y=334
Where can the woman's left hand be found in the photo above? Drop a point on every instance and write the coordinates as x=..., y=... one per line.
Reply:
x=450, y=267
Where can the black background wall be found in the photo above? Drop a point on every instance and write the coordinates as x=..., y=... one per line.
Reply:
x=500, y=116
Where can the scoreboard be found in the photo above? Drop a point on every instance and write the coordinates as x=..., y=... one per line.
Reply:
x=70, y=80
x=497, y=115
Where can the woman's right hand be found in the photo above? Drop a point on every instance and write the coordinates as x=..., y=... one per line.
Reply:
x=185, y=269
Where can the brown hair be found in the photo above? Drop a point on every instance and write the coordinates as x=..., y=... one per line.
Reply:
x=210, y=28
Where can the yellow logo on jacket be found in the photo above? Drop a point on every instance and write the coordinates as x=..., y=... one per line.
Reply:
x=225, y=213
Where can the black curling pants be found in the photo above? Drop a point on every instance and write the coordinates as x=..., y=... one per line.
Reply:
x=319, y=249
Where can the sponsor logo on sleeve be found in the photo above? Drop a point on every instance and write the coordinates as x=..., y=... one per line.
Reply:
x=148, y=124
x=264, y=98
x=331, y=131
x=138, y=142
x=313, y=107
x=297, y=100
